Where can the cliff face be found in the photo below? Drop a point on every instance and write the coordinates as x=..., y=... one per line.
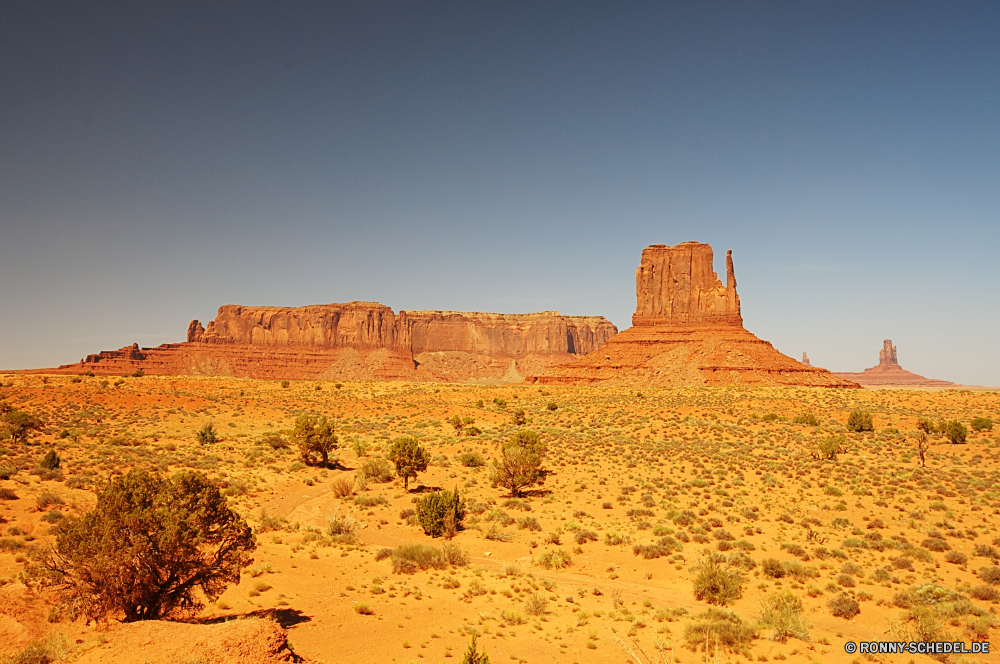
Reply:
x=363, y=341
x=678, y=286
x=687, y=330
x=369, y=325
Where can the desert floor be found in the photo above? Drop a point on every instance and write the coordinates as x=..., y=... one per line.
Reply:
x=720, y=469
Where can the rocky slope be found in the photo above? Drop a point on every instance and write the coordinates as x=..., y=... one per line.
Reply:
x=887, y=373
x=362, y=341
x=687, y=330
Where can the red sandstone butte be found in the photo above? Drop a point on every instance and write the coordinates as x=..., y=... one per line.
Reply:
x=687, y=330
x=887, y=373
x=363, y=341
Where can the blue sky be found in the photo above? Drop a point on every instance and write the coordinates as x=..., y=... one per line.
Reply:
x=158, y=160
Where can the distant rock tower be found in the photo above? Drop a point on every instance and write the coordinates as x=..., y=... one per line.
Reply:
x=805, y=359
x=887, y=356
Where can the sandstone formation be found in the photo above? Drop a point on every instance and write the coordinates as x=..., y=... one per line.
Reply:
x=805, y=359
x=363, y=341
x=687, y=330
x=888, y=373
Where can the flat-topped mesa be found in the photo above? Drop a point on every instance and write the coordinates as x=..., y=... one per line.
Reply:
x=678, y=286
x=367, y=325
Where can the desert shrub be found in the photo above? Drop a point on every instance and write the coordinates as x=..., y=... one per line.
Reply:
x=472, y=459
x=955, y=431
x=536, y=604
x=684, y=518
x=7, y=493
x=315, y=438
x=662, y=547
x=990, y=575
x=956, y=558
x=370, y=501
x=341, y=527
x=807, y=419
x=718, y=627
x=519, y=464
x=207, y=435
x=6, y=472
x=17, y=425
x=831, y=446
x=410, y=458
x=985, y=592
x=473, y=656
x=529, y=523
x=152, y=547
x=47, y=499
x=410, y=558
x=982, y=424
x=845, y=580
x=274, y=440
x=935, y=544
x=852, y=568
x=583, y=536
x=50, y=461
x=844, y=606
x=519, y=417
x=54, y=516
x=782, y=614
x=341, y=487
x=551, y=406
x=985, y=551
x=715, y=581
x=770, y=417
x=441, y=513
x=362, y=608
x=860, y=420
x=557, y=559
x=45, y=651
x=615, y=538
x=376, y=469
x=9, y=544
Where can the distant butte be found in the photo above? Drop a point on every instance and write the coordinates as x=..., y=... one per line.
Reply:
x=888, y=373
x=687, y=330
x=362, y=341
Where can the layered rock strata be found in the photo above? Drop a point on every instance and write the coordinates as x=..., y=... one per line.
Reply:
x=363, y=341
x=888, y=373
x=687, y=330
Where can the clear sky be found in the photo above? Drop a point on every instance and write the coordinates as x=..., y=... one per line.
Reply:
x=158, y=160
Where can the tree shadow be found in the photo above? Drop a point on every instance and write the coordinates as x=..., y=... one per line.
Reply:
x=425, y=489
x=536, y=493
x=284, y=617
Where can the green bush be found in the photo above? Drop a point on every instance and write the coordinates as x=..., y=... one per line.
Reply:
x=715, y=581
x=557, y=559
x=410, y=458
x=982, y=424
x=859, y=421
x=473, y=656
x=315, y=438
x=153, y=547
x=831, y=446
x=926, y=425
x=410, y=558
x=520, y=419
x=472, y=459
x=274, y=440
x=519, y=464
x=50, y=461
x=990, y=575
x=782, y=614
x=718, y=627
x=955, y=431
x=441, y=513
x=45, y=651
x=207, y=435
x=376, y=469
x=662, y=547
x=772, y=568
x=806, y=418
x=844, y=606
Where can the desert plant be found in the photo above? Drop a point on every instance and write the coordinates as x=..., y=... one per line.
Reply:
x=990, y=575
x=376, y=469
x=410, y=458
x=859, y=421
x=830, y=446
x=409, y=558
x=806, y=418
x=557, y=559
x=715, y=581
x=955, y=431
x=520, y=419
x=316, y=438
x=536, y=604
x=471, y=459
x=473, y=656
x=50, y=461
x=520, y=463
x=844, y=606
x=207, y=435
x=152, y=547
x=360, y=447
x=922, y=443
x=982, y=424
x=17, y=425
x=718, y=627
x=341, y=487
x=274, y=440
x=441, y=513
x=44, y=651
x=782, y=614
x=362, y=608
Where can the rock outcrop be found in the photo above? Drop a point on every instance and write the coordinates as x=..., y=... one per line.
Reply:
x=363, y=341
x=687, y=330
x=888, y=374
x=805, y=359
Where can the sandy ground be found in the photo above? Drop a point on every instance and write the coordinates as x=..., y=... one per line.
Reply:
x=624, y=466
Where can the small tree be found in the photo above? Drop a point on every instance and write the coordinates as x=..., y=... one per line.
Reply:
x=830, y=446
x=146, y=548
x=410, y=458
x=520, y=419
x=520, y=463
x=926, y=425
x=441, y=513
x=923, y=442
x=955, y=431
x=859, y=421
x=316, y=438
x=474, y=657
x=18, y=426
x=982, y=424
